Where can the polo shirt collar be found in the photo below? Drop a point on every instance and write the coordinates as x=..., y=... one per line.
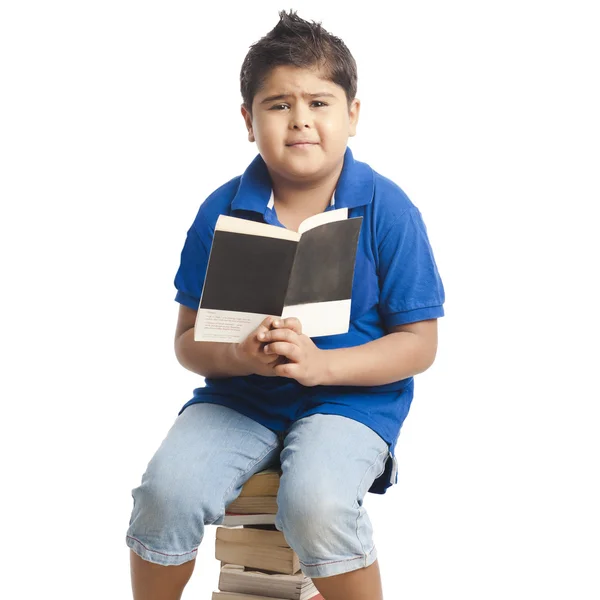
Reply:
x=355, y=186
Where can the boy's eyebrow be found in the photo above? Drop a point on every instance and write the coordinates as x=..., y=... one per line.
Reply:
x=284, y=96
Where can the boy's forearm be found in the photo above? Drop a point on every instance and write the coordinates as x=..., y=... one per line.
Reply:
x=209, y=359
x=391, y=358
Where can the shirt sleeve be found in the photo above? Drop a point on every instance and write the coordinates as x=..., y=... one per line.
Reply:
x=411, y=289
x=190, y=276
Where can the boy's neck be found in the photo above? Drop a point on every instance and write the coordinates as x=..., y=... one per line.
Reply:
x=306, y=199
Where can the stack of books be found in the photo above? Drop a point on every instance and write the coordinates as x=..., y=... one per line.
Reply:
x=256, y=561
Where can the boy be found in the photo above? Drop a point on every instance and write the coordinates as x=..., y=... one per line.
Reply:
x=327, y=410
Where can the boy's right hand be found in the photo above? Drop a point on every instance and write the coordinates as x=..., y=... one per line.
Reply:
x=251, y=352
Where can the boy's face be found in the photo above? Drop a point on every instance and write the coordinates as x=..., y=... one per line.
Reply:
x=301, y=124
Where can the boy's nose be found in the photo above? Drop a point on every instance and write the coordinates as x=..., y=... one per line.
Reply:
x=299, y=119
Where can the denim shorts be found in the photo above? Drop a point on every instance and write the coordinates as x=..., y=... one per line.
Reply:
x=328, y=463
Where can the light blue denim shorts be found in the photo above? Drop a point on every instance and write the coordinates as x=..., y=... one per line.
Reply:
x=328, y=463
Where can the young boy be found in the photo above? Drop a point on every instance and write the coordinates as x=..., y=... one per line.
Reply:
x=327, y=410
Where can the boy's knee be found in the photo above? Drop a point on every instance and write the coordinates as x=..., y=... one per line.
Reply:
x=169, y=496
x=308, y=521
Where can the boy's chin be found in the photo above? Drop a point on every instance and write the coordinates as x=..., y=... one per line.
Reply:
x=303, y=170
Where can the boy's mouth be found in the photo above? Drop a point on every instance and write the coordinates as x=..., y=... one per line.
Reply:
x=302, y=144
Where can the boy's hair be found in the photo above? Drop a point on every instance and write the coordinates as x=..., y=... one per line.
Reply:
x=299, y=43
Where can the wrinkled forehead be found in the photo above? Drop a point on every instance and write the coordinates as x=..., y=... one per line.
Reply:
x=296, y=81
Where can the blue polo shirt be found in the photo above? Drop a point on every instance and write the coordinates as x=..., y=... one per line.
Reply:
x=396, y=282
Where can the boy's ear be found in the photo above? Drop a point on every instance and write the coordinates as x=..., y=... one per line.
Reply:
x=354, y=113
x=248, y=121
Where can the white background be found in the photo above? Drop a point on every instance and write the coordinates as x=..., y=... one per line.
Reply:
x=119, y=117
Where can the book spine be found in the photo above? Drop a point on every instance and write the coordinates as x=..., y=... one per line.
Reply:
x=272, y=558
x=289, y=281
x=253, y=505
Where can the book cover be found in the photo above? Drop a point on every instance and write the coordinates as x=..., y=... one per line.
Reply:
x=255, y=270
x=235, y=578
x=235, y=596
x=253, y=505
x=233, y=520
x=263, y=483
x=268, y=558
x=252, y=536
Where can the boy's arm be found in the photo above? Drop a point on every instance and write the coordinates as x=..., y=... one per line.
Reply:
x=218, y=359
x=209, y=359
x=406, y=351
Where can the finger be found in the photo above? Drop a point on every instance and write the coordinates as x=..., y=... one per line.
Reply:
x=265, y=326
x=286, y=349
x=280, y=360
x=276, y=322
x=280, y=335
x=294, y=324
x=268, y=321
x=271, y=359
x=286, y=370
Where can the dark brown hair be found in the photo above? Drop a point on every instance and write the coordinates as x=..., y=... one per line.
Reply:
x=299, y=43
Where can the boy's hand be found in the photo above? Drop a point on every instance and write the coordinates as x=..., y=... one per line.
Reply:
x=305, y=362
x=251, y=352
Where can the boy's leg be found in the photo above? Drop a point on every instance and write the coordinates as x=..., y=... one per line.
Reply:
x=328, y=464
x=362, y=584
x=200, y=467
x=150, y=581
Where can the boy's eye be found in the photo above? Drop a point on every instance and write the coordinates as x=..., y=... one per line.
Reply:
x=315, y=103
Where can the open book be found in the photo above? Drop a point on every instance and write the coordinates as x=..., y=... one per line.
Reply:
x=256, y=270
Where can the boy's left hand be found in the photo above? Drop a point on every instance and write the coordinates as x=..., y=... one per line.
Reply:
x=307, y=363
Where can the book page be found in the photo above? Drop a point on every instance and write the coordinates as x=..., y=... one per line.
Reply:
x=225, y=325
x=235, y=225
x=320, y=288
x=321, y=318
x=329, y=216
x=246, y=280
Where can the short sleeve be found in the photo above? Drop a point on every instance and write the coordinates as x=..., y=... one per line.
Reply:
x=411, y=289
x=189, y=279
